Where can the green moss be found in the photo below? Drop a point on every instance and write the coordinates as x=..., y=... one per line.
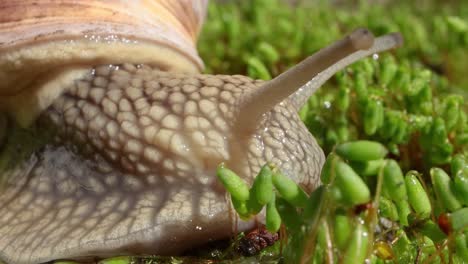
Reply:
x=436, y=33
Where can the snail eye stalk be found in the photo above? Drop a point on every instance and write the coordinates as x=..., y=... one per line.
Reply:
x=311, y=74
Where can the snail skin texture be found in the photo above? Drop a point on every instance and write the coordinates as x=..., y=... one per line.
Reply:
x=131, y=168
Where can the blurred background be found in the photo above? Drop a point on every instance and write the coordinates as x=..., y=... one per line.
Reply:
x=436, y=33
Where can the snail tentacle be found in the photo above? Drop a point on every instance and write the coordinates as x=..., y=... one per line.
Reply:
x=383, y=43
x=287, y=83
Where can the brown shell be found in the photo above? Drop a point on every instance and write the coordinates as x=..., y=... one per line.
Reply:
x=50, y=39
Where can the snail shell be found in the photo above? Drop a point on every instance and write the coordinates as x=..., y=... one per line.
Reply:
x=58, y=40
x=140, y=133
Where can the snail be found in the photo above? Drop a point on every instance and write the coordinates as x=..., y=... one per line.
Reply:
x=136, y=131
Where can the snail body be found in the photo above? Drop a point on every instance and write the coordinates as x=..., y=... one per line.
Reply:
x=131, y=170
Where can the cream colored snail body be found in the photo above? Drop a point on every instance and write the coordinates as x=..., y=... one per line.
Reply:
x=139, y=130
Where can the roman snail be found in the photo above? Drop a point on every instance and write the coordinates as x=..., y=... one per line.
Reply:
x=137, y=131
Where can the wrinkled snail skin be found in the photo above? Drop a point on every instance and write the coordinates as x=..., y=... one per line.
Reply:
x=147, y=183
x=132, y=167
